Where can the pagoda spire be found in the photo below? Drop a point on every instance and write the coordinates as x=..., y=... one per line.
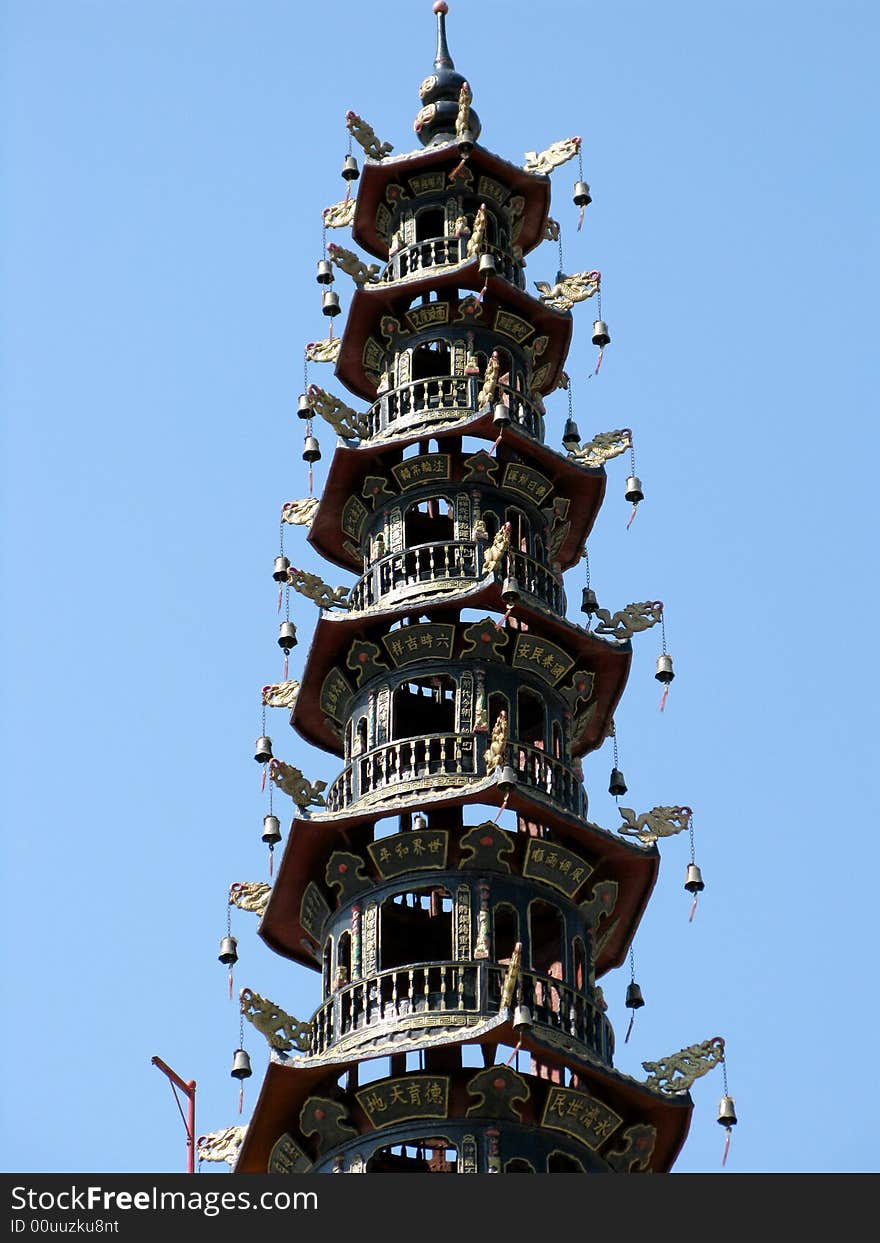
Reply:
x=440, y=92
x=442, y=60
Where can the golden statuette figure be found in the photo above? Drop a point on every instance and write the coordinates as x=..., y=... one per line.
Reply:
x=677, y=1072
x=342, y=418
x=486, y=394
x=221, y=1145
x=281, y=694
x=463, y=119
x=339, y=215
x=478, y=232
x=365, y=135
x=603, y=448
x=250, y=895
x=557, y=153
x=326, y=351
x=568, y=289
x=291, y=781
x=314, y=588
x=496, y=751
x=497, y=549
x=348, y=262
x=628, y=621
x=653, y=824
x=281, y=1030
x=511, y=976
x=300, y=513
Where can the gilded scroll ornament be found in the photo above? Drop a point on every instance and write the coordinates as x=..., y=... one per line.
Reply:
x=497, y=549
x=478, y=232
x=677, y=1072
x=557, y=153
x=653, y=824
x=339, y=215
x=364, y=134
x=486, y=394
x=348, y=262
x=326, y=351
x=281, y=1030
x=342, y=418
x=496, y=752
x=640, y=1140
x=300, y=513
x=250, y=895
x=281, y=694
x=221, y=1145
x=603, y=448
x=631, y=619
x=291, y=781
x=315, y=589
x=567, y=290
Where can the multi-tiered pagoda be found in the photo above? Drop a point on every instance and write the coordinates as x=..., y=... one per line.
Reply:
x=448, y=889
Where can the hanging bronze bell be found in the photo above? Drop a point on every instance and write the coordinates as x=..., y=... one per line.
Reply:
x=350, y=170
x=633, y=493
x=241, y=1065
x=582, y=194
x=510, y=592
x=589, y=601
x=500, y=414
x=263, y=750
x=287, y=635
x=664, y=668
x=507, y=779
x=271, y=830
x=311, y=450
x=419, y=823
x=282, y=565
x=727, y=1111
x=571, y=437
x=601, y=335
x=616, y=785
x=330, y=303
x=466, y=142
x=693, y=881
x=228, y=951
x=304, y=407
x=522, y=1017
x=634, y=998
x=325, y=272
x=487, y=264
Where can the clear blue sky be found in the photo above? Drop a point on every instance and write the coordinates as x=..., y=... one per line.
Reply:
x=165, y=166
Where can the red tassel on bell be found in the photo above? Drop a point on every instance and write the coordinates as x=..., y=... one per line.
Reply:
x=241, y=1098
x=263, y=779
x=663, y=698
x=632, y=1019
x=230, y=986
x=726, y=1148
x=271, y=859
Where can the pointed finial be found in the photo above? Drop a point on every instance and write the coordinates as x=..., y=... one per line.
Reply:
x=442, y=60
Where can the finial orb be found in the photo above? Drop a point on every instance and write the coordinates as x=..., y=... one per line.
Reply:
x=440, y=6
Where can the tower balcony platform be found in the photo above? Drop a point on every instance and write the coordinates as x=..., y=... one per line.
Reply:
x=439, y=995
x=435, y=254
x=422, y=406
x=421, y=765
x=435, y=571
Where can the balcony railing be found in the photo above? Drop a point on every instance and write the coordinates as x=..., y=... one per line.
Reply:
x=443, y=252
x=418, y=404
x=414, y=763
x=456, y=988
x=449, y=565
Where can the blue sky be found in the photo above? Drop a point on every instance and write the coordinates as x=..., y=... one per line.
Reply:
x=165, y=166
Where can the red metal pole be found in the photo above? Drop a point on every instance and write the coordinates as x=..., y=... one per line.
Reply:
x=189, y=1090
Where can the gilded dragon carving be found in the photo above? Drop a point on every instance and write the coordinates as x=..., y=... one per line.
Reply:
x=602, y=448
x=347, y=261
x=567, y=290
x=365, y=135
x=496, y=752
x=326, y=351
x=631, y=619
x=250, y=895
x=281, y=694
x=315, y=589
x=677, y=1072
x=653, y=824
x=281, y=1030
x=557, y=153
x=300, y=513
x=291, y=781
x=339, y=215
x=342, y=418
x=221, y=1145
x=497, y=549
